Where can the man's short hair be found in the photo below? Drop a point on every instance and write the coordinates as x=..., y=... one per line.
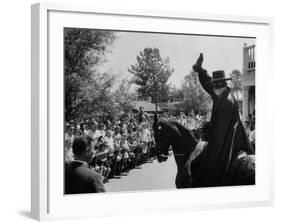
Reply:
x=81, y=145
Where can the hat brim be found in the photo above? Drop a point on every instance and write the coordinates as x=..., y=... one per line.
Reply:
x=219, y=80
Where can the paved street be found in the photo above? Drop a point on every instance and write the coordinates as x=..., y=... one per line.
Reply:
x=148, y=176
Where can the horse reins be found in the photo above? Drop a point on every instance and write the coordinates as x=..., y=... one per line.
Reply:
x=183, y=154
x=179, y=154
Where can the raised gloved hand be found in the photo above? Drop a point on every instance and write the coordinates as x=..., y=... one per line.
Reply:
x=198, y=66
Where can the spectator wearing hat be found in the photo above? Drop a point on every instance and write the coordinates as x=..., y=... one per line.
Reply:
x=221, y=147
x=79, y=178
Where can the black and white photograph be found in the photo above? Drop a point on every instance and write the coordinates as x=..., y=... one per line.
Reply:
x=148, y=111
x=140, y=111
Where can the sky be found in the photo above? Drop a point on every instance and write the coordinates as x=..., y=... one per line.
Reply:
x=220, y=53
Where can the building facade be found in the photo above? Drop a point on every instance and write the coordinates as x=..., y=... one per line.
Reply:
x=248, y=81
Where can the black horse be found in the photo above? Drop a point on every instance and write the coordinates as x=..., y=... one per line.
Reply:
x=172, y=134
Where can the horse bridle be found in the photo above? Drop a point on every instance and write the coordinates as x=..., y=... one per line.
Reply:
x=162, y=154
x=183, y=154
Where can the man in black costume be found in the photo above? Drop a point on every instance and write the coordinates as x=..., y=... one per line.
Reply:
x=226, y=134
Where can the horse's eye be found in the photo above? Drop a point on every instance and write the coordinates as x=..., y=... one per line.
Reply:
x=159, y=127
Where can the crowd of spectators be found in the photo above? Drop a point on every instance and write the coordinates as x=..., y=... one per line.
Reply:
x=118, y=144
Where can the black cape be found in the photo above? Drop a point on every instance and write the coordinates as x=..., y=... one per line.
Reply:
x=226, y=134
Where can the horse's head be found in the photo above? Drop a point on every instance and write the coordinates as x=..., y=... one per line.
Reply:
x=164, y=133
x=162, y=140
x=170, y=133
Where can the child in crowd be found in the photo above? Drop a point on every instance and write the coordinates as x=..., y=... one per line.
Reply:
x=125, y=149
x=109, y=141
x=146, y=138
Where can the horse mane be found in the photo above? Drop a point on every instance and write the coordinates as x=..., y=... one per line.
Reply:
x=184, y=130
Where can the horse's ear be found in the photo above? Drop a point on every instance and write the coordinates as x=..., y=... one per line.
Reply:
x=155, y=118
x=155, y=121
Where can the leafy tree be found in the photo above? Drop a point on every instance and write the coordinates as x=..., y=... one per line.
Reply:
x=94, y=97
x=151, y=75
x=236, y=82
x=85, y=89
x=85, y=49
x=124, y=97
x=195, y=98
x=175, y=94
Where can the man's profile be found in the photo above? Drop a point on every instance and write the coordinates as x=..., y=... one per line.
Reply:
x=79, y=178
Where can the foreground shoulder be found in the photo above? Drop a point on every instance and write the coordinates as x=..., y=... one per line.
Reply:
x=94, y=174
x=97, y=182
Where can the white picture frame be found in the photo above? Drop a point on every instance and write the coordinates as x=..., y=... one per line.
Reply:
x=48, y=201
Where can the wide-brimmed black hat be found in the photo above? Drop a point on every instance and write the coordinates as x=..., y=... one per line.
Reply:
x=219, y=79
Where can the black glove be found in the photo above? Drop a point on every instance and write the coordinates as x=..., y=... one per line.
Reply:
x=198, y=66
